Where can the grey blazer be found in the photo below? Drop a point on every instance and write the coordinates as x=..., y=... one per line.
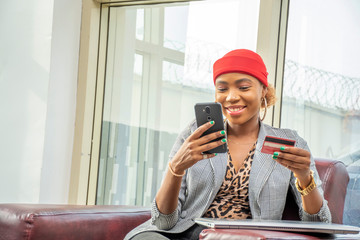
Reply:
x=268, y=186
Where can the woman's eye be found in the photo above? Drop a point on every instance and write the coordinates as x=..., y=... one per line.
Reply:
x=221, y=89
x=244, y=87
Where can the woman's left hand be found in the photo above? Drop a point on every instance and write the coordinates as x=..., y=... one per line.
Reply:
x=297, y=160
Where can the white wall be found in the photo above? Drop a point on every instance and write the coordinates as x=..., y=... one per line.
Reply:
x=38, y=73
x=61, y=104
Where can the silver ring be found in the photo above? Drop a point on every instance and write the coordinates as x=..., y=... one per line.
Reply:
x=205, y=156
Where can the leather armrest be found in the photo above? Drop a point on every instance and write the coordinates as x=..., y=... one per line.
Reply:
x=335, y=179
x=57, y=222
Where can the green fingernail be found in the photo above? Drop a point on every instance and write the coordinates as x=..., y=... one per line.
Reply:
x=282, y=148
x=215, y=154
x=212, y=122
x=223, y=140
x=276, y=154
x=274, y=157
x=222, y=132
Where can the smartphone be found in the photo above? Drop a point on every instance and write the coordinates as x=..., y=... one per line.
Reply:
x=207, y=112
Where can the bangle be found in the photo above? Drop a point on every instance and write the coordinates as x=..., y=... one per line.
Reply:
x=309, y=188
x=173, y=173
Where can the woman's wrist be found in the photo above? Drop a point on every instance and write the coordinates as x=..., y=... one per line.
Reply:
x=174, y=172
x=306, y=186
x=304, y=180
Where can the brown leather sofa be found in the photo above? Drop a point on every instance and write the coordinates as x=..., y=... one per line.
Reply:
x=58, y=222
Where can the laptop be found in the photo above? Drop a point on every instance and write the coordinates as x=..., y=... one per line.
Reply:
x=279, y=225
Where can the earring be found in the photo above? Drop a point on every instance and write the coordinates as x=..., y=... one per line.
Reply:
x=265, y=103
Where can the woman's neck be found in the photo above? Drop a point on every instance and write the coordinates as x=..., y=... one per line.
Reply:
x=247, y=130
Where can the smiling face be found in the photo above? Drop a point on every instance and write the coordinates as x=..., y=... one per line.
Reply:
x=240, y=95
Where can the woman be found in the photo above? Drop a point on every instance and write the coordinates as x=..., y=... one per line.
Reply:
x=243, y=183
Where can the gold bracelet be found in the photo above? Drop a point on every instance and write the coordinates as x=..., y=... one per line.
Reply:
x=173, y=173
x=309, y=188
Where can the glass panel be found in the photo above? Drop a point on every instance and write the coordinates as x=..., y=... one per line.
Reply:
x=175, y=27
x=140, y=24
x=159, y=64
x=173, y=72
x=321, y=89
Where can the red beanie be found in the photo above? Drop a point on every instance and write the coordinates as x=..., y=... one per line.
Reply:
x=242, y=61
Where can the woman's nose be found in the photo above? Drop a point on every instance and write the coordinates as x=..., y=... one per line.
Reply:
x=232, y=96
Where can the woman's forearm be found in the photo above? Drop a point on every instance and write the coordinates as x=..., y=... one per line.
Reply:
x=313, y=201
x=167, y=196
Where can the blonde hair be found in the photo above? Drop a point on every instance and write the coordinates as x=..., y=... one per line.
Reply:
x=270, y=96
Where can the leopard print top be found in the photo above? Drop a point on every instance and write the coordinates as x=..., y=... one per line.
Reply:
x=232, y=200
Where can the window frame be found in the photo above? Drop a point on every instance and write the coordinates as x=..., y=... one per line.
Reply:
x=90, y=100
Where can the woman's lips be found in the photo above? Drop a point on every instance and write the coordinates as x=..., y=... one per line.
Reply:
x=235, y=110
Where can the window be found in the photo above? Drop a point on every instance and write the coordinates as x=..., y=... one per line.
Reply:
x=321, y=89
x=158, y=65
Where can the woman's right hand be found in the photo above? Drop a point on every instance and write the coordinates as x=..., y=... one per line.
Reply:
x=191, y=150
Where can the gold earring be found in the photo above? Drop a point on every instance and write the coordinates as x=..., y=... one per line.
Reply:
x=265, y=103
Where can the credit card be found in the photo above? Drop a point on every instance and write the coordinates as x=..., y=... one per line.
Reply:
x=273, y=144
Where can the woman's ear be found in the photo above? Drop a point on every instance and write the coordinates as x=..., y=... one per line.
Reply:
x=264, y=91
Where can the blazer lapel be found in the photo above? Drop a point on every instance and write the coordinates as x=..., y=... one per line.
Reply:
x=261, y=168
x=218, y=165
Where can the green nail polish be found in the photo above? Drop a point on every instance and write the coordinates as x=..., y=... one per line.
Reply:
x=274, y=157
x=223, y=140
x=282, y=148
x=276, y=154
x=222, y=132
x=212, y=122
x=215, y=154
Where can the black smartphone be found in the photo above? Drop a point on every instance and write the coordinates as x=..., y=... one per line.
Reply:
x=207, y=112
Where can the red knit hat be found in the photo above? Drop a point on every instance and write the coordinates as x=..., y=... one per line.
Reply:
x=242, y=61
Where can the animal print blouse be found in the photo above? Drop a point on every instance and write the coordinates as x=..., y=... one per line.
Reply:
x=232, y=200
